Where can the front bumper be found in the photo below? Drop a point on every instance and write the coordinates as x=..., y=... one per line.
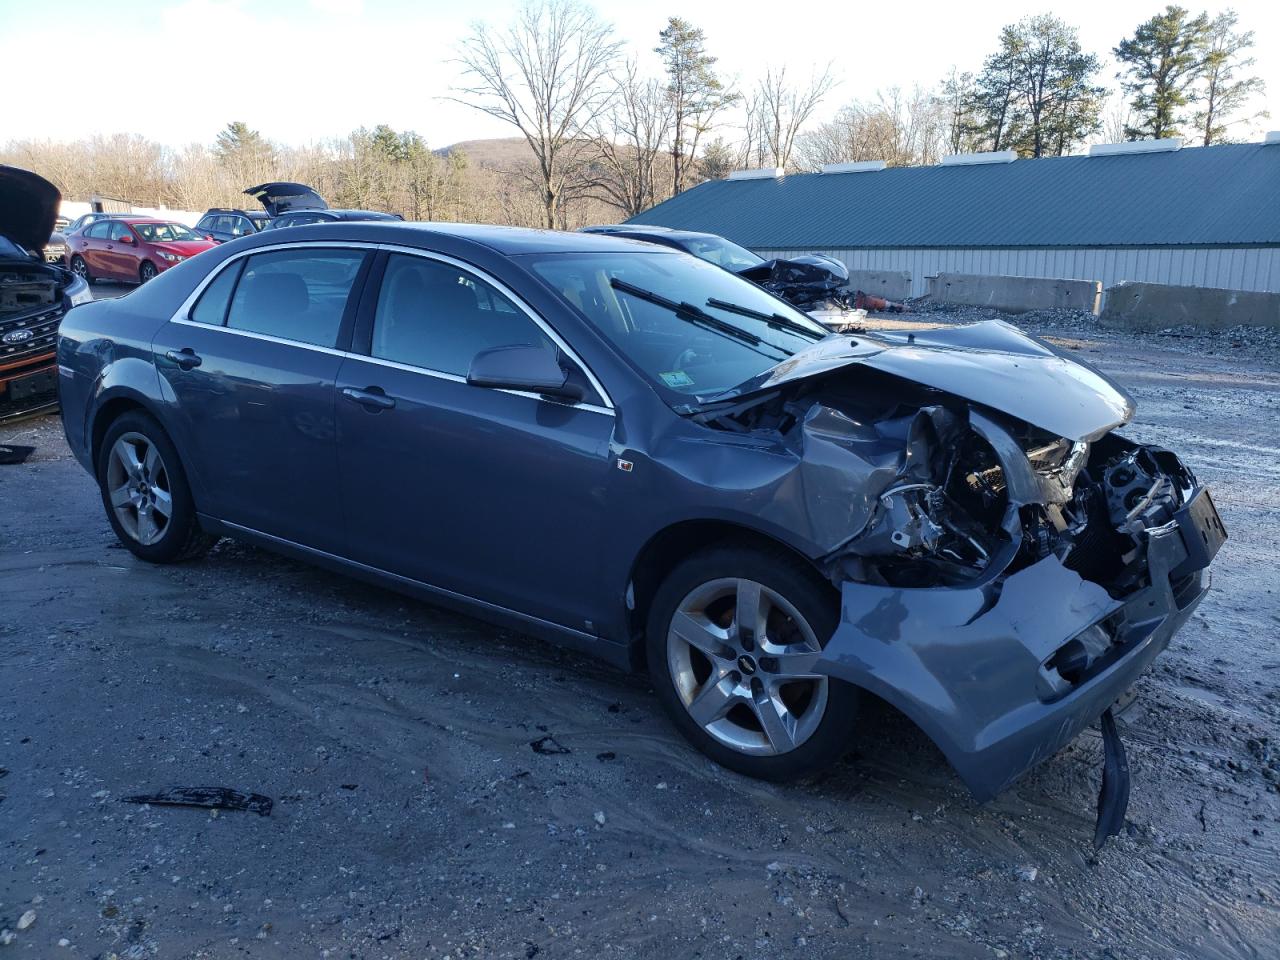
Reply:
x=968, y=664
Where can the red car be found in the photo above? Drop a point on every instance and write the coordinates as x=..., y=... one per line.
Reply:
x=132, y=248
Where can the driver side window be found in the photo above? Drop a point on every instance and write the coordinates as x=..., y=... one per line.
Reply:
x=435, y=316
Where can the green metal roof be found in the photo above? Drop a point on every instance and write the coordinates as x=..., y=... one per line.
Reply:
x=1227, y=194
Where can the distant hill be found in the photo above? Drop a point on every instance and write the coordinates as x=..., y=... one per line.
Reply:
x=500, y=152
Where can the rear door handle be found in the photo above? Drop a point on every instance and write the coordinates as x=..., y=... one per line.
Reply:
x=372, y=399
x=186, y=358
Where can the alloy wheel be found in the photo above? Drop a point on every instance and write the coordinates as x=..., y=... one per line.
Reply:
x=138, y=488
x=147, y=272
x=743, y=661
x=80, y=268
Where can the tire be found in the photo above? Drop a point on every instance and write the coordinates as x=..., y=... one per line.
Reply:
x=80, y=268
x=147, y=271
x=768, y=715
x=140, y=476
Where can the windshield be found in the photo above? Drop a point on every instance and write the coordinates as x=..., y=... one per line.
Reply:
x=698, y=350
x=722, y=253
x=164, y=232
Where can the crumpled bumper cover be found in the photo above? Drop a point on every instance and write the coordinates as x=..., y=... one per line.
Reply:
x=965, y=664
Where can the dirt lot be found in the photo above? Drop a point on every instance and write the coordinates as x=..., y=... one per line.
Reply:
x=412, y=819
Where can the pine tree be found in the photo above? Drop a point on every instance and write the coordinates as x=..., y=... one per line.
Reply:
x=1162, y=62
x=695, y=91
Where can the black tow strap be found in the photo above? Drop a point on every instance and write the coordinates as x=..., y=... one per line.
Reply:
x=1113, y=798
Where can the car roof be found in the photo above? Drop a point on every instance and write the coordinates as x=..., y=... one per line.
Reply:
x=504, y=240
x=663, y=233
x=625, y=228
x=344, y=214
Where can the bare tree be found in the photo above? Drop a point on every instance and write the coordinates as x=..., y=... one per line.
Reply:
x=630, y=142
x=1225, y=91
x=898, y=128
x=545, y=76
x=777, y=111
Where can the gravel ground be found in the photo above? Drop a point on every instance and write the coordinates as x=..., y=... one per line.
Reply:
x=413, y=819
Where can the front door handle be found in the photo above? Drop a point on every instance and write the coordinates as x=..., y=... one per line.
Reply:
x=371, y=398
x=186, y=358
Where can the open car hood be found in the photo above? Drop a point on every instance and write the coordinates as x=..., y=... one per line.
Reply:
x=990, y=363
x=282, y=197
x=28, y=207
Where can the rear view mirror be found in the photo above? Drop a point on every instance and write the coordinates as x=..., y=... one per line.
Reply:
x=523, y=366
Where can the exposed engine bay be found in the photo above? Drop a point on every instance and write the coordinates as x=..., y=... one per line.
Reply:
x=923, y=498
x=34, y=294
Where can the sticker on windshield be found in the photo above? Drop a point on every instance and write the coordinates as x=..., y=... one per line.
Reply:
x=676, y=378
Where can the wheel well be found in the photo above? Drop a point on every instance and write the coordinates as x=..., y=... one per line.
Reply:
x=111, y=411
x=668, y=547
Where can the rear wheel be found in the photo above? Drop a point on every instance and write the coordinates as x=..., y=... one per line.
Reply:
x=80, y=268
x=145, y=492
x=733, y=640
x=147, y=271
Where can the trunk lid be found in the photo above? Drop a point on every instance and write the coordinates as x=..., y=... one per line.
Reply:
x=279, y=197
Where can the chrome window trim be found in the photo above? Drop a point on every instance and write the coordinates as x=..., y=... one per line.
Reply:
x=182, y=317
x=523, y=307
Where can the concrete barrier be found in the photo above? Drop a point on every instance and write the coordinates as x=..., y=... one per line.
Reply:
x=1155, y=306
x=1015, y=294
x=890, y=284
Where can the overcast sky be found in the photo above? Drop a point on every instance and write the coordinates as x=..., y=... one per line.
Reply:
x=305, y=70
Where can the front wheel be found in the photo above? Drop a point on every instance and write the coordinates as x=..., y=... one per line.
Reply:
x=733, y=641
x=147, y=271
x=145, y=492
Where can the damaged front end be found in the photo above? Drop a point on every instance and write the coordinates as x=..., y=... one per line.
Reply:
x=34, y=295
x=1001, y=585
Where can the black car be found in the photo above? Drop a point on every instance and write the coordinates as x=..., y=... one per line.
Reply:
x=296, y=205
x=225, y=223
x=809, y=281
x=633, y=452
x=301, y=218
x=705, y=246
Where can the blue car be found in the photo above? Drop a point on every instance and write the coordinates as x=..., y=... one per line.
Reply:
x=630, y=451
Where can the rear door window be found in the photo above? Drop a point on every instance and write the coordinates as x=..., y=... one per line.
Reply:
x=211, y=308
x=296, y=295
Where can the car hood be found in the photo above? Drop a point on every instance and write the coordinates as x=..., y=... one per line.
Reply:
x=281, y=197
x=28, y=207
x=990, y=363
x=185, y=248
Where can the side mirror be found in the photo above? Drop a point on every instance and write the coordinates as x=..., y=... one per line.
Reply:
x=523, y=366
x=126, y=239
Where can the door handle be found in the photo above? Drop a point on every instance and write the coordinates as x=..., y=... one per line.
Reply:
x=372, y=398
x=186, y=358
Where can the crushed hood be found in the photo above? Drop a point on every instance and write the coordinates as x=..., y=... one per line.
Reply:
x=281, y=197
x=990, y=363
x=28, y=207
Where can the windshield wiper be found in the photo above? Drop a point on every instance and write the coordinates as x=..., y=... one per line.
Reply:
x=775, y=320
x=690, y=312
